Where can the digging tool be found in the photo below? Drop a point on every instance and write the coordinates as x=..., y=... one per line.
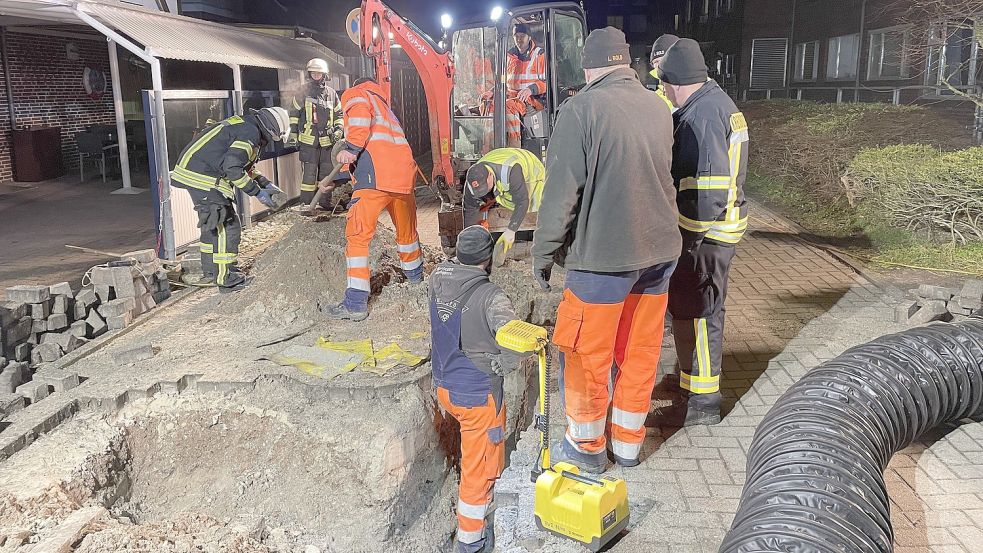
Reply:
x=589, y=510
x=113, y=254
x=335, y=150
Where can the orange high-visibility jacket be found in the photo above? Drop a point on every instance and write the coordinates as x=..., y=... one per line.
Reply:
x=372, y=132
x=527, y=69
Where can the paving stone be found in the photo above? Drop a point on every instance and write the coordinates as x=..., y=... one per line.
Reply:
x=971, y=295
x=12, y=312
x=141, y=256
x=48, y=353
x=22, y=352
x=12, y=376
x=930, y=292
x=39, y=326
x=117, y=307
x=66, y=340
x=33, y=391
x=80, y=329
x=119, y=322
x=80, y=311
x=11, y=403
x=132, y=355
x=62, y=288
x=86, y=296
x=58, y=380
x=61, y=304
x=28, y=294
x=18, y=332
x=70, y=531
x=104, y=292
x=109, y=276
x=905, y=311
x=57, y=322
x=97, y=324
x=40, y=310
x=931, y=310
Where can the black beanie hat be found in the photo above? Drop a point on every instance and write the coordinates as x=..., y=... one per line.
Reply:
x=475, y=245
x=523, y=28
x=684, y=64
x=662, y=45
x=606, y=47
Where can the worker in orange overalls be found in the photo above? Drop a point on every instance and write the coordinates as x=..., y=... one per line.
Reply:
x=383, y=177
x=526, y=80
x=466, y=311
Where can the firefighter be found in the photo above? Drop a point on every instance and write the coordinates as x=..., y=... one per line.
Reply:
x=315, y=125
x=220, y=159
x=659, y=48
x=526, y=80
x=466, y=310
x=511, y=177
x=609, y=218
x=383, y=177
x=709, y=165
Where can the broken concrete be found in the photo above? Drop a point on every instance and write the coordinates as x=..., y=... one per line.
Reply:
x=11, y=312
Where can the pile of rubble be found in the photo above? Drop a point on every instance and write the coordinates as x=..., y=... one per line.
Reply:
x=938, y=303
x=41, y=324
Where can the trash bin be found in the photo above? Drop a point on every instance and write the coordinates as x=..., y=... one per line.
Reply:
x=37, y=154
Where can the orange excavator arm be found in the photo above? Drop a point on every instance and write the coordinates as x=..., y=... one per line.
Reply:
x=379, y=27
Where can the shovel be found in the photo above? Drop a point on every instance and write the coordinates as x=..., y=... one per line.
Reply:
x=335, y=150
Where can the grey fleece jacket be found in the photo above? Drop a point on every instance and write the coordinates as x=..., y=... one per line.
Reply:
x=609, y=204
x=487, y=311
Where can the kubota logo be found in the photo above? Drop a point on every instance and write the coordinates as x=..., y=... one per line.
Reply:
x=412, y=39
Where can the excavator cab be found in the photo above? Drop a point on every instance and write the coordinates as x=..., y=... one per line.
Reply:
x=486, y=109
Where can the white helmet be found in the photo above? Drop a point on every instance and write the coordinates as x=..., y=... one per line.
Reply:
x=318, y=65
x=275, y=123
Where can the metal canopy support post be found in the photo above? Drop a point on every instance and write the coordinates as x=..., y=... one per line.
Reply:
x=237, y=88
x=124, y=151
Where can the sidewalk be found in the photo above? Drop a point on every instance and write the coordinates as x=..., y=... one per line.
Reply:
x=791, y=307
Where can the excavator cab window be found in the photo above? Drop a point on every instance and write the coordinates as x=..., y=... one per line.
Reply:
x=527, y=68
x=568, y=47
x=474, y=52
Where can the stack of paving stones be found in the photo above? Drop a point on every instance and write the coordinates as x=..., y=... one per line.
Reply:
x=41, y=324
x=938, y=303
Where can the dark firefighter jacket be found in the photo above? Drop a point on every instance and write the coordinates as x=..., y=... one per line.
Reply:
x=221, y=157
x=317, y=119
x=709, y=165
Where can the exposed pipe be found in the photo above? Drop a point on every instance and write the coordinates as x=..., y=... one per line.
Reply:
x=815, y=467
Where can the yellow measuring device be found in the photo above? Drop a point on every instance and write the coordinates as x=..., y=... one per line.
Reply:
x=589, y=510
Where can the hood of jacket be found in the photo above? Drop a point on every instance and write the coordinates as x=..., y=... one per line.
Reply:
x=450, y=280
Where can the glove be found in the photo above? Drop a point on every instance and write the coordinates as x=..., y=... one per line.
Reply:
x=266, y=199
x=542, y=272
x=502, y=247
x=271, y=188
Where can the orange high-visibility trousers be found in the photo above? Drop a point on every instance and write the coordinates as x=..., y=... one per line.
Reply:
x=363, y=216
x=482, y=462
x=605, y=319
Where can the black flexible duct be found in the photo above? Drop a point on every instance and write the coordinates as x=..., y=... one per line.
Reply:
x=815, y=467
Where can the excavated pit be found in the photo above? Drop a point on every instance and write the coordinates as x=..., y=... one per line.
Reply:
x=280, y=461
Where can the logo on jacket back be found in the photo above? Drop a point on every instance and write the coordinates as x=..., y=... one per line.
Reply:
x=446, y=309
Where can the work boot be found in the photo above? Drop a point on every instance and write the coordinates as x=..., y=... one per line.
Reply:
x=199, y=281
x=345, y=312
x=689, y=414
x=622, y=462
x=415, y=276
x=591, y=463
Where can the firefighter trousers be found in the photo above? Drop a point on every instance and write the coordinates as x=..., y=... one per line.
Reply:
x=697, y=294
x=363, y=216
x=316, y=163
x=221, y=232
x=482, y=462
x=605, y=319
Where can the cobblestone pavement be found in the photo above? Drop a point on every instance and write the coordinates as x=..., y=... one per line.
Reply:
x=791, y=307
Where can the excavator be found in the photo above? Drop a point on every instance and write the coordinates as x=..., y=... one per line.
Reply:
x=465, y=82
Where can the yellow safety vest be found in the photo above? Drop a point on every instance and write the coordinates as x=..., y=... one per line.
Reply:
x=661, y=90
x=532, y=169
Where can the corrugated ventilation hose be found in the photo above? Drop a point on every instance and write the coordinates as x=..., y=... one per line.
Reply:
x=815, y=469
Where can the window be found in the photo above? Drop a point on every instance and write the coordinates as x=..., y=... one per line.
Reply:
x=769, y=60
x=568, y=42
x=953, y=54
x=888, y=57
x=617, y=21
x=637, y=23
x=841, y=61
x=806, y=61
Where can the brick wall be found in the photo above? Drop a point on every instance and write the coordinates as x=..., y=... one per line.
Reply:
x=48, y=91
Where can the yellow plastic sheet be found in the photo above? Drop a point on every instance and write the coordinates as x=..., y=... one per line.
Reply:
x=328, y=359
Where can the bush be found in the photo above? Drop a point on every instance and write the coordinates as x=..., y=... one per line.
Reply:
x=921, y=189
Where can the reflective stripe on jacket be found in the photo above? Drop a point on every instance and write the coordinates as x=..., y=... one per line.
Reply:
x=372, y=132
x=709, y=166
x=222, y=158
x=533, y=171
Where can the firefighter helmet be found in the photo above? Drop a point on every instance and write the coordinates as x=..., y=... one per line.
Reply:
x=317, y=65
x=275, y=123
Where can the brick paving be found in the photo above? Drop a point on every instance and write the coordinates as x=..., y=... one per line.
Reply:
x=791, y=307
